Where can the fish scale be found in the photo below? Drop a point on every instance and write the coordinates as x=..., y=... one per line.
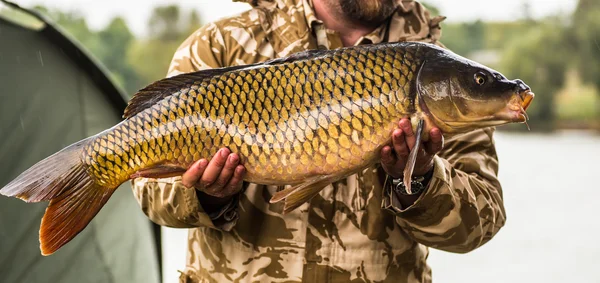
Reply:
x=288, y=121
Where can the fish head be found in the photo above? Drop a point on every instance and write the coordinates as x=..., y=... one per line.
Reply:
x=460, y=95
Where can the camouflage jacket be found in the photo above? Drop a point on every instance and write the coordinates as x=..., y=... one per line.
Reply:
x=352, y=231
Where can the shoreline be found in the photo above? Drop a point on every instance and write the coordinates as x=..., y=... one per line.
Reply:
x=592, y=128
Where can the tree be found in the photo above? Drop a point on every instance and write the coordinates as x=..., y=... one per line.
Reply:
x=526, y=10
x=108, y=45
x=150, y=59
x=464, y=38
x=115, y=40
x=476, y=32
x=168, y=28
x=75, y=25
x=538, y=62
x=585, y=36
x=165, y=23
x=194, y=22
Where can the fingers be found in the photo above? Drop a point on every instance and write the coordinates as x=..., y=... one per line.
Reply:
x=403, y=141
x=193, y=174
x=399, y=143
x=387, y=156
x=221, y=177
x=436, y=142
x=406, y=128
x=215, y=166
x=435, y=145
x=226, y=173
x=235, y=183
x=388, y=161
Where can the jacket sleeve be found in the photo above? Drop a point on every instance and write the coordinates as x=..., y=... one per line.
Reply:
x=166, y=201
x=462, y=208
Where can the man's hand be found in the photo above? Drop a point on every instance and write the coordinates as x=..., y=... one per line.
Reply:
x=222, y=177
x=393, y=158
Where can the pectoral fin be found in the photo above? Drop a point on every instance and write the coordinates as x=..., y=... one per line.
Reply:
x=160, y=171
x=298, y=195
x=412, y=157
x=281, y=195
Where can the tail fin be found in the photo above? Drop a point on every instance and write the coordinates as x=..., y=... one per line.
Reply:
x=74, y=196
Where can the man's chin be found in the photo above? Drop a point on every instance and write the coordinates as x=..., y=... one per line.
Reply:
x=368, y=12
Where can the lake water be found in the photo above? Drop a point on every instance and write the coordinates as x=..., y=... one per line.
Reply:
x=552, y=233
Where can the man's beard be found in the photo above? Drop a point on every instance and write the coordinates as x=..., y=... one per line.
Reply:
x=371, y=12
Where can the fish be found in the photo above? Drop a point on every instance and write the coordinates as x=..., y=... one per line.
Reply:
x=305, y=120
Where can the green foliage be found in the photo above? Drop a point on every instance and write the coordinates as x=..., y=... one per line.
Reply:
x=116, y=39
x=468, y=37
x=133, y=62
x=74, y=23
x=151, y=59
x=540, y=52
x=168, y=28
x=536, y=51
x=108, y=45
x=476, y=32
x=577, y=101
x=456, y=38
x=165, y=23
x=585, y=35
x=554, y=46
x=499, y=34
x=535, y=61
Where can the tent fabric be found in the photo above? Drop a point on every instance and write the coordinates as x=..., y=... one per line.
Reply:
x=53, y=94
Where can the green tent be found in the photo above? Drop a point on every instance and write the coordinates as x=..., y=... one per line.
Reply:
x=53, y=93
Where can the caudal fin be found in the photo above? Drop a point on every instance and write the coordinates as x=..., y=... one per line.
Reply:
x=74, y=196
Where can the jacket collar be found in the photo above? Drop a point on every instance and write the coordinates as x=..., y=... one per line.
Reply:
x=285, y=22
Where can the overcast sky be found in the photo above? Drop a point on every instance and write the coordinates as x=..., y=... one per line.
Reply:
x=98, y=13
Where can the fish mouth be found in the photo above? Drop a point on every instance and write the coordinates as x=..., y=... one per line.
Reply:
x=515, y=111
x=526, y=97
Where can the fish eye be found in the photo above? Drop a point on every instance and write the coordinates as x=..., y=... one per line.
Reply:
x=480, y=78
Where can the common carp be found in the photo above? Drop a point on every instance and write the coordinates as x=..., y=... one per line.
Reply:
x=306, y=120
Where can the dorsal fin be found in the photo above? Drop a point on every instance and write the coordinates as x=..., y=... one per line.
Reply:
x=157, y=91
x=302, y=55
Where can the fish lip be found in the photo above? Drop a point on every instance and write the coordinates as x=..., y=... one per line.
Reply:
x=510, y=115
x=515, y=111
x=527, y=97
x=516, y=108
x=521, y=118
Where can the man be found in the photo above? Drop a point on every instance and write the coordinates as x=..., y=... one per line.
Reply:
x=363, y=228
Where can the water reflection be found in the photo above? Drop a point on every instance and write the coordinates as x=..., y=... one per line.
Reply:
x=551, y=189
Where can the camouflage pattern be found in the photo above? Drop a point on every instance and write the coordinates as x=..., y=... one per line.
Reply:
x=354, y=230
